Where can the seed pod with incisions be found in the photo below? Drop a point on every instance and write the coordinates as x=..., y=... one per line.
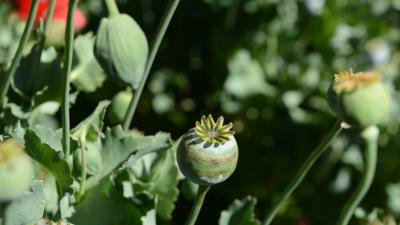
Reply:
x=16, y=170
x=121, y=48
x=208, y=153
x=360, y=99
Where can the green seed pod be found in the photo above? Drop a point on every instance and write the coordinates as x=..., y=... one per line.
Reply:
x=360, y=99
x=208, y=153
x=119, y=106
x=16, y=170
x=93, y=159
x=121, y=48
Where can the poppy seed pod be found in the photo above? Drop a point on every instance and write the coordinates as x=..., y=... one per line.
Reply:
x=360, y=99
x=121, y=49
x=208, y=153
x=93, y=159
x=119, y=106
x=16, y=170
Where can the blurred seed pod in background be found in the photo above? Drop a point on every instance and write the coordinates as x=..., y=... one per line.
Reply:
x=360, y=99
x=16, y=170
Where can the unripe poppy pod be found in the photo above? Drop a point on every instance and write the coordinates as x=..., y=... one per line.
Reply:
x=208, y=153
x=360, y=99
x=121, y=48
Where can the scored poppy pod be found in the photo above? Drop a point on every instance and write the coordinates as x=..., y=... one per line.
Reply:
x=208, y=153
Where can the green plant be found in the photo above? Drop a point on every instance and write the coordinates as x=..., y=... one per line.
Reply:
x=91, y=171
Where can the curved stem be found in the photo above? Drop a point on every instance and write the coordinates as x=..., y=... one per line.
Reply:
x=370, y=136
x=5, y=84
x=173, y=4
x=198, y=203
x=82, y=141
x=112, y=8
x=303, y=172
x=69, y=43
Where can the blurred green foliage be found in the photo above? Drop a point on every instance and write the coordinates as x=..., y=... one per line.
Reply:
x=266, y=65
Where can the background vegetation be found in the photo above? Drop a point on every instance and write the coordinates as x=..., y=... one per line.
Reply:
x=265, y=65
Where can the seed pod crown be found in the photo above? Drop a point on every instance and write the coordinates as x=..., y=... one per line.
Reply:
x=213, y=132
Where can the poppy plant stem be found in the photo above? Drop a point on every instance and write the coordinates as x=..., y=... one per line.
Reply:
x=6, y=81
x=82, y=141
x=370, y=136
x=42, y=41
x=171, y=8
x=303, y=172
x=112, y=7
x=198, y=203
x=68, y=55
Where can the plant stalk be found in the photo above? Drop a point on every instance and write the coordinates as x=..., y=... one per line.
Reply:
x=112, y=8
x=370, y=136
x=68, y=54
x=82, y=141
x=171, y=8
x=5, y=84
x=198, y=203
x=42, y=41
x=303, y=172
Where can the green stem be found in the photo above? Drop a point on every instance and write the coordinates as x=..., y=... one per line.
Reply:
x=68, y=54
x=370, y=136
x=5, y=84
x=82, y=141
x=198, y=203
x=173, y=4
x=42, y=41
x=49, y=17
x=112, y=8
x=303, y=172
x=232, y=14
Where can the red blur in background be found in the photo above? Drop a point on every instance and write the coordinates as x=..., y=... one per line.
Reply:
x=60, y=12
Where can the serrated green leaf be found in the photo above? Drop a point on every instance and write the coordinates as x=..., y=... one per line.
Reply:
x=50, y=137
x=10, y=116
x=91, y=127
x=149, y=218
x=118, y=146
x=163, y=183
x=100, y=207
x=88, y=75
x=42, y=147
x=66, y=208
x=240, y=213
x=27, y=209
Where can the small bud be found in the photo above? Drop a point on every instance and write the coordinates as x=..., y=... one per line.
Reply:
x=119, y=106
x=93, y=159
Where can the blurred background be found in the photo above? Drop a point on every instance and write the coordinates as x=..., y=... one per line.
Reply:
x=266, y=66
